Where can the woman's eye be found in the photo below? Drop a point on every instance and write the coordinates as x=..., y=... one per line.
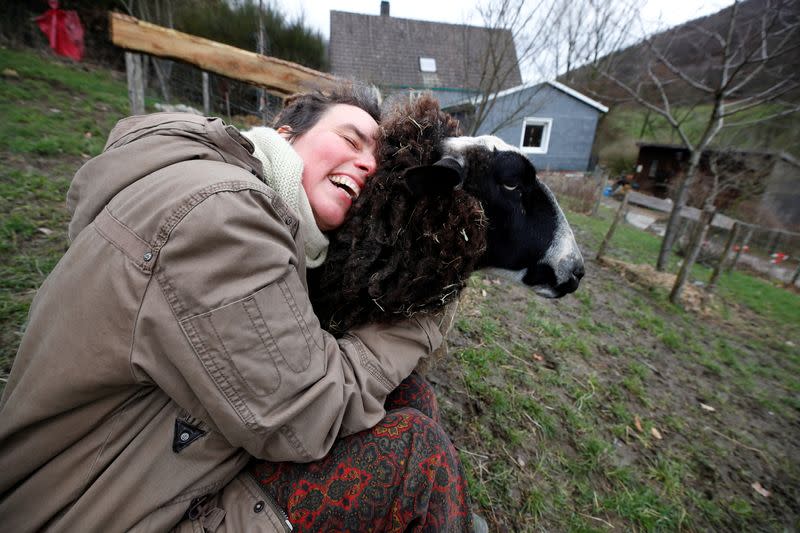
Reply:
x=351, y=142
x=509, y=187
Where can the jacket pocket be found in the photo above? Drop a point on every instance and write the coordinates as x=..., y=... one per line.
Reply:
x=248, y=346
x=241, y=506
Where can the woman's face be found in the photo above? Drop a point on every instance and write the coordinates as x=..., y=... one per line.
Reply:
x=338, y=156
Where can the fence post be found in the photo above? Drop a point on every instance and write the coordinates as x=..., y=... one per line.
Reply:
x=728, y=245
x=206, y=95
x=613, y=228
x=698, y=235
x=739, y=252
x=133, y=68
x=600, y=175
x=796, y=275
x=774, y=239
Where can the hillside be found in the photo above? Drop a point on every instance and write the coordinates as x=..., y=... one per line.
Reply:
x=609, y=409
x=693, y=50
x=626, y=124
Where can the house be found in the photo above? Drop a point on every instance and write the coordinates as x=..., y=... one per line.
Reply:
x=773, y=177
x=553, y=124
x=398, y=54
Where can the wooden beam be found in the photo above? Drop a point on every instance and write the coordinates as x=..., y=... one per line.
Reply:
x=277, y=76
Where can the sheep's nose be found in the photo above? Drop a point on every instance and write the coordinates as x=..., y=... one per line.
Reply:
x=574, y=273
x=578, y=271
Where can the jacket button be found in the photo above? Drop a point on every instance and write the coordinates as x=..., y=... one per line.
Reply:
x=184, y=436
x=148, y=256
x=258, y=507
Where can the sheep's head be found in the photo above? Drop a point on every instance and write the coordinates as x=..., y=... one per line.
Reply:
x=527, y=231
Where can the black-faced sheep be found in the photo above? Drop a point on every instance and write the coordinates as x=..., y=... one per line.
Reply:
x=439, y=207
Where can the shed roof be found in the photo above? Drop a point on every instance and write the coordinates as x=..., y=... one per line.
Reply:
x=713, y=149
x=386, y=50
x=555, y=84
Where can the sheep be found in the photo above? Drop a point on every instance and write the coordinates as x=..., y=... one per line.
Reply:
x=439, y=207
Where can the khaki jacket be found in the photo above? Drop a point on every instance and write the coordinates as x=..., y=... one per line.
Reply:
x=174, y=341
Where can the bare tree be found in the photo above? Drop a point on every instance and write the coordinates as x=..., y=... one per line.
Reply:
x=739, y=67
x=542, y=38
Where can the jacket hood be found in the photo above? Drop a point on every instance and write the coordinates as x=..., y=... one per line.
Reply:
x=141, y=145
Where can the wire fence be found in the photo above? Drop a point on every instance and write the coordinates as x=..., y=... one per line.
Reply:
x=171, y=85
x=769, y=251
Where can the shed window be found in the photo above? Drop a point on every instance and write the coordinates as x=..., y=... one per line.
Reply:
x=653, y=168
x=427, y=64
x=536, y=135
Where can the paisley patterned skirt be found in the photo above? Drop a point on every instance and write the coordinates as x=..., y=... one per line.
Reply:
x=402, y=475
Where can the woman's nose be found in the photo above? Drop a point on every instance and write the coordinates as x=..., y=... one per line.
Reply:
x=367, y=162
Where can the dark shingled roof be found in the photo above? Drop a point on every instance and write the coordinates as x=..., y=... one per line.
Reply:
x=385, y=50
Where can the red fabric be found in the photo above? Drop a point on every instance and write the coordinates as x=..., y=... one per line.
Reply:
x=64, y=30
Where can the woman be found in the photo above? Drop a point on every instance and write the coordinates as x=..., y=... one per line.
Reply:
x=175, y=340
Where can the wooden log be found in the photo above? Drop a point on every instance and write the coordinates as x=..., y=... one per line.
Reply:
x=612, y=229
x=277, y=76
x=651, y=202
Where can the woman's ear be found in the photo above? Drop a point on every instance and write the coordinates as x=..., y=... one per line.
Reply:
x=285, y=132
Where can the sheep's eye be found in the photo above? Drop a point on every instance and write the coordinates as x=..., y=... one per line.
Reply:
x=509, y=187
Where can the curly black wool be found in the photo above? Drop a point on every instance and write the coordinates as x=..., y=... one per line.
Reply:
x=398, y=253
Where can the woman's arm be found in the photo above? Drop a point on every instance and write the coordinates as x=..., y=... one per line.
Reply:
x=252, y=350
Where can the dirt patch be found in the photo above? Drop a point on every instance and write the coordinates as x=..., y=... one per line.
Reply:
x=693, y=298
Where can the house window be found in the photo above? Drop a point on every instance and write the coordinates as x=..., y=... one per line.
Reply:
x=427, y=64
x=536, y=135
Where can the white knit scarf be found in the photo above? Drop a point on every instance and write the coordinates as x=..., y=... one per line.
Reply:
x=283, y=171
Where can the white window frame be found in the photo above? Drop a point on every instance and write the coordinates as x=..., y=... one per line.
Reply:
x=536, y=121
x=427, y=64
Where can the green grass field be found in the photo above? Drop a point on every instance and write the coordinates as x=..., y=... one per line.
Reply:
x=610, y=409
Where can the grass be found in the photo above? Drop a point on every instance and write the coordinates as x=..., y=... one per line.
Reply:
x=613, y=427
x=55, y=115
x=633, y=245
x=51, y=109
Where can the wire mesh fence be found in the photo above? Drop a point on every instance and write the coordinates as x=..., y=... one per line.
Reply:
x=171, y=85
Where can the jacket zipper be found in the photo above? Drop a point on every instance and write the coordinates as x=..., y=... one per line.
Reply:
x=287, y=525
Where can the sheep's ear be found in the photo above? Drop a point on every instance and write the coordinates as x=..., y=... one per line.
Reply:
x=445, y=175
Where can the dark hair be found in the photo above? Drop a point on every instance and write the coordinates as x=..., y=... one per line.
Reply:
x=302, y=111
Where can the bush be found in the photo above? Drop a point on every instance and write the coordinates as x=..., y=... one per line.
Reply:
x=578, y=192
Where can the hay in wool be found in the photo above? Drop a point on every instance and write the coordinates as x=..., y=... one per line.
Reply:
x=399, y=253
